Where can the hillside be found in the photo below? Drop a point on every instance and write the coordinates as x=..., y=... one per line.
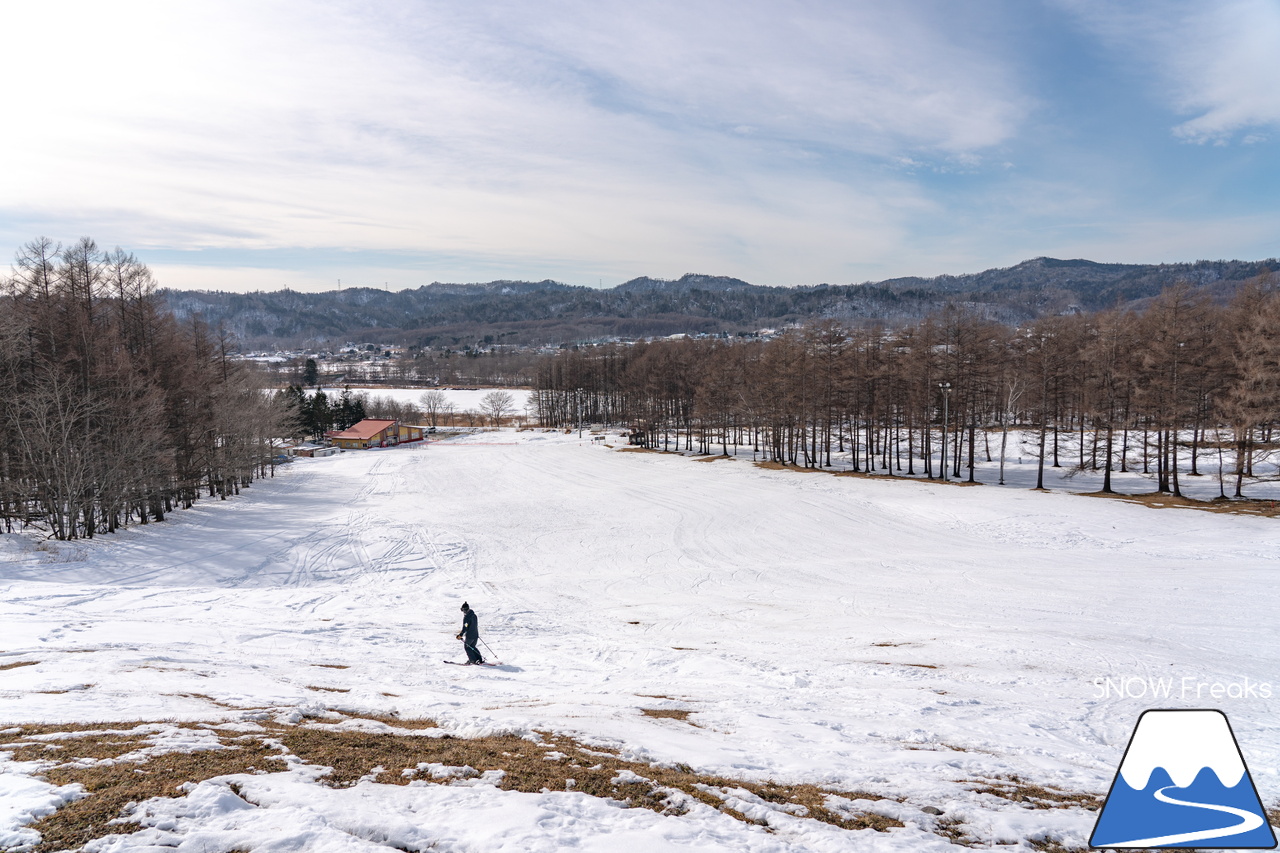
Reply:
x=931, y=647
x=517, y=312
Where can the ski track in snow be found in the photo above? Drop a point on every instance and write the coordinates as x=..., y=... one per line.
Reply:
x=877, y=635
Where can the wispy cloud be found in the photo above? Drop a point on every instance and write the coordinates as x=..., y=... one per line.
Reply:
x=611, y=133
x=1216, y=62
x=781, y=142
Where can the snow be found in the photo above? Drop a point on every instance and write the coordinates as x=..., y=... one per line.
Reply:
x=1183, y=744
x=24, y=799
x=899, y=638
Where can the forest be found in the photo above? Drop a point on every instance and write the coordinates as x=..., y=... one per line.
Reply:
x=1158, y=386
x=116, y=412
x=112, y=411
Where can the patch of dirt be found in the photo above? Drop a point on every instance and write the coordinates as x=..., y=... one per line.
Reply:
x=353, y=755
x=332, y=665
x=1049, y=845
x=666, y=713
x=206, y=698
x=1164, y=500
x=799, y=469
x=329, y=689
x=1017, y=790
x=863, y=475
x=952, y=829
x=16, y=664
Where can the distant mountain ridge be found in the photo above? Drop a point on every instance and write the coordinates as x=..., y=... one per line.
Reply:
x=686, y=282
x=550, y=312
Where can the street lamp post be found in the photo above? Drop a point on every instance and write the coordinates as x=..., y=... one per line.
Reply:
x=946, y=413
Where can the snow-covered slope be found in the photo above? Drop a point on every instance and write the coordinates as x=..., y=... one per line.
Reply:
x=897, y=637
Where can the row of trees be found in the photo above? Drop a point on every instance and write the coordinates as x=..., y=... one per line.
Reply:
x=1156, y=388
x=483, y=366
x=313, y=414
x=112, y=411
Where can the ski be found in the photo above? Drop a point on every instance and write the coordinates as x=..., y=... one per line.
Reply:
x=459, y=663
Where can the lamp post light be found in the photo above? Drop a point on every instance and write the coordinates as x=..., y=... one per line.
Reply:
x=946, y=414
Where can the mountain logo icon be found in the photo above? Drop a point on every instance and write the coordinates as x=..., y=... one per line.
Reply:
x=1183, y=783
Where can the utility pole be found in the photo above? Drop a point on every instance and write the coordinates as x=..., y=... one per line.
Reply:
x=946, y=413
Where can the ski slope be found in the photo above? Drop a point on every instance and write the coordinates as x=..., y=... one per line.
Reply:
x=899, y=637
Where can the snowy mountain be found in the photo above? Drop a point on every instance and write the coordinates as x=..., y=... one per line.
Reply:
x=517, y=312
x=1183, y=743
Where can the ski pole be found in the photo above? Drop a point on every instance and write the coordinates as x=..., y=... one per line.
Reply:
x=491, y=651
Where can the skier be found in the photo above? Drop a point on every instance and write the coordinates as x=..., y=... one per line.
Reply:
x=470, y=635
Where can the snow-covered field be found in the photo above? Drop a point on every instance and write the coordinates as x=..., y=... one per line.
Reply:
x=903, y=638
x=462, y=399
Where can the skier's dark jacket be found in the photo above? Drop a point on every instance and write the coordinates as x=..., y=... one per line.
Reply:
x=470, y=628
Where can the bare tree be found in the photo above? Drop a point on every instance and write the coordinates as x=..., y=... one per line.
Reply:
x=435, y=406
x=496, y=405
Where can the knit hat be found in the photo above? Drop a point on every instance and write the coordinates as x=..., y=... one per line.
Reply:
x=466, y=606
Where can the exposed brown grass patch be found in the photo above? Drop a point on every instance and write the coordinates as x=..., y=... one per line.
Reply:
x=1033, y=796
x=1049, y=845
x=862, y=475
x=395, y=721
x=1164, y=500
x=637, y=450
x=204, y=697
x=26, y=731
x=712, y=457
x=16, y=664
x=937, y=747
x=783, y=466
x=332, y=665
x=666, y=714
x=532, y=768
x=97, y=747
x=329, y=689
x=112, y=787
x=952, y=829
x=557, y=763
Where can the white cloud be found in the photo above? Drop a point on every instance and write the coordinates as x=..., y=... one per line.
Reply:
x=1218, y=61
x=590, y=135
x=237, y=279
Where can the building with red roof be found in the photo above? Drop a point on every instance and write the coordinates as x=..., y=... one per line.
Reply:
x=375, y=432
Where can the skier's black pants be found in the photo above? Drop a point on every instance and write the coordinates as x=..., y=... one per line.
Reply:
x=473, y=654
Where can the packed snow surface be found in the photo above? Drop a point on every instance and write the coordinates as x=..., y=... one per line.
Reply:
x=904, y=638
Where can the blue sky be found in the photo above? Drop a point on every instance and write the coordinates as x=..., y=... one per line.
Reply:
x=259, y=145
